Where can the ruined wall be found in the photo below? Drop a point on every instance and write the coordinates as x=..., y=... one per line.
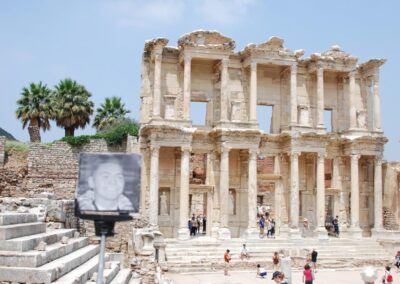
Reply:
x=2, y=150
x=54, y=167
x=391, y=211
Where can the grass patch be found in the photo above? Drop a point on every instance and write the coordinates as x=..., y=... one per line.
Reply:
x=113, y=135
x=16, y=146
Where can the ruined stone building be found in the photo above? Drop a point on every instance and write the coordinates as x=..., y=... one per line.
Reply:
x=303, y=166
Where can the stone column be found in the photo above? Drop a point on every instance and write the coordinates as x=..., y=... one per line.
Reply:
x=378, y=194
x=352, y=104
x=224, y=89
x=355, y=197
x=252, y=232
x=294, y=193
x=183, y=232
x=157, y=85
x=377, y=104
x=320, y=95
x=293, y=94
x=335, y=173
x=321, y=196
x=278, y=193
x=153, y=197
x=224, y=232
x=253, y=92
x=187, y=87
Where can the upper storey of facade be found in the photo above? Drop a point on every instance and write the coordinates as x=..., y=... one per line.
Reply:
x=205, y=69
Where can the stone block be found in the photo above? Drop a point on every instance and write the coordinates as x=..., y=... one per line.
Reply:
x=13, y=218
x=20, y=230
x=41, y=246
x=64, y=240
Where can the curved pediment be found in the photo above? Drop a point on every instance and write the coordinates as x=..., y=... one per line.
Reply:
x=206, y=39
x=334, y=54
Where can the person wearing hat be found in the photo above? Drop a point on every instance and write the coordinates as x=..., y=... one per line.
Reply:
x=278, y=277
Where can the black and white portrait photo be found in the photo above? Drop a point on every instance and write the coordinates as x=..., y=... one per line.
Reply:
x=108, y=182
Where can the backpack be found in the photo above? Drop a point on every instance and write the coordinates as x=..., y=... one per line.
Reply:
x=389, y=278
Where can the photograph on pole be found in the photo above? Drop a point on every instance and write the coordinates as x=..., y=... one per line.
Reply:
x=108, y=184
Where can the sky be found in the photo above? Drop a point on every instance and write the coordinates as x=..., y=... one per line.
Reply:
x=99, y=43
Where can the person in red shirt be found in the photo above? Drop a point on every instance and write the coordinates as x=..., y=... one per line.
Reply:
x=307, y=274
x=227, y=259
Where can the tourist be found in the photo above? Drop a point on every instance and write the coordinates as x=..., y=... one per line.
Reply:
x=190, y=225
x=261, y=223
x=269, y=228
x=308, y=276
x=227, y=259
x=279, y=277
x=387, y=277
x=244, y=254
x=283, y=278
x=314, y=255
x=199, y=224
x=335, y=223
x=273, y=228
x=204, y=224
x=397, y=260
x=194, y=226
x=106, y=185
x=261, y=272
x=276, y=261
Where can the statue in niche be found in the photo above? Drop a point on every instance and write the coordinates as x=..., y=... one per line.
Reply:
x=361, y=119
x=231, y=203
x=163, y=204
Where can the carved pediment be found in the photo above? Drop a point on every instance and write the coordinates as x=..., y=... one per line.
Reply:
x=273, y=47
x=334, y=54
x=206, y=39
x=151, y=44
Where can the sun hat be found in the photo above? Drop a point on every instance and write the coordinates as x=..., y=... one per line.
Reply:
x=275, y=274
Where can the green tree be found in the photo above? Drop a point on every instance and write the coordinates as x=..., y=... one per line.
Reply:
x=36, y=108
x=73, y=107
x=109, y=112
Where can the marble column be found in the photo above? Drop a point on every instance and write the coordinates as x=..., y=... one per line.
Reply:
x=355, y=197
x=352, y=103
x=293, y=94
x=321, y=195
x=253, y=92
x=224, y=232
x=278, y=195
x=224, y=89
x=252, y=231
x=335, y=173
x=294, y=191
x=378, y=193
x=183, y=232
x=157, y=85
x=154, y=177
x=187, y=87
x=320, y=96
x=377, y=104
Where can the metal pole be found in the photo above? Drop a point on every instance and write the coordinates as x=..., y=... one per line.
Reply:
x=100, y=271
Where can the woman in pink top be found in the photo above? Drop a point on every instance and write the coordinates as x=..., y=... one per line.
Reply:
x=307, y=275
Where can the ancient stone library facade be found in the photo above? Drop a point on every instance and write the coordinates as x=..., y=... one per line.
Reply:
x=303, y=166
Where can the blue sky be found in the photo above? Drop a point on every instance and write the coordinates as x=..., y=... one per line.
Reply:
x=99, y=43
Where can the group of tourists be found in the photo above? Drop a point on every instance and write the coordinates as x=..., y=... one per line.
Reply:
x=197, y=225
x=267, y=223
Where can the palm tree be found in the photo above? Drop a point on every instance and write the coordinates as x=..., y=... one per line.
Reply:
x=73, y=107
x=36, y=108
x=109, y=112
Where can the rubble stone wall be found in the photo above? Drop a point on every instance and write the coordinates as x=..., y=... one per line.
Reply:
x=2, y=150
x=54, y=168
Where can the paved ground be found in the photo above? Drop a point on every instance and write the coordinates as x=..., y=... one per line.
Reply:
x=245, y=277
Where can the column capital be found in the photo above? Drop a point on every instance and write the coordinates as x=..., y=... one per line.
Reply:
x=186, y=149
x=253, y=153
x=319, y=67
x=352, y=74
x=225, y=62
x=154, y=149
x=294, y=154
x=225, y=149
x=157, y=57
x=293, y=68
x=253, y=65
x=355, y=157
x=187, y=58
x=321, y=156
x=378, y=159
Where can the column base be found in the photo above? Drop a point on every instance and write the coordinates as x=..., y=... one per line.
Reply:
x=214, y=232
x=377, y=233
x=321, y=233
x=183, y=234
x=355, y=233
x=284, y=232
x=252, y=234
x=295, y=234
x=224, y=234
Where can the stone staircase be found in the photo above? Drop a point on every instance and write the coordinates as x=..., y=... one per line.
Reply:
x=204, y=254
x=31, y=254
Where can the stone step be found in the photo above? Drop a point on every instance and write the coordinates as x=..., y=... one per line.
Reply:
x=30, y=242
x=35, y=258
x=123, y=276
x=17, y=218
x=80, y=274
x=50, y=271
x=109, y=273
x=20, y=230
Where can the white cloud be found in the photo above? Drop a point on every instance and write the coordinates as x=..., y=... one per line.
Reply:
x=223, y=11
x=136, y=13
